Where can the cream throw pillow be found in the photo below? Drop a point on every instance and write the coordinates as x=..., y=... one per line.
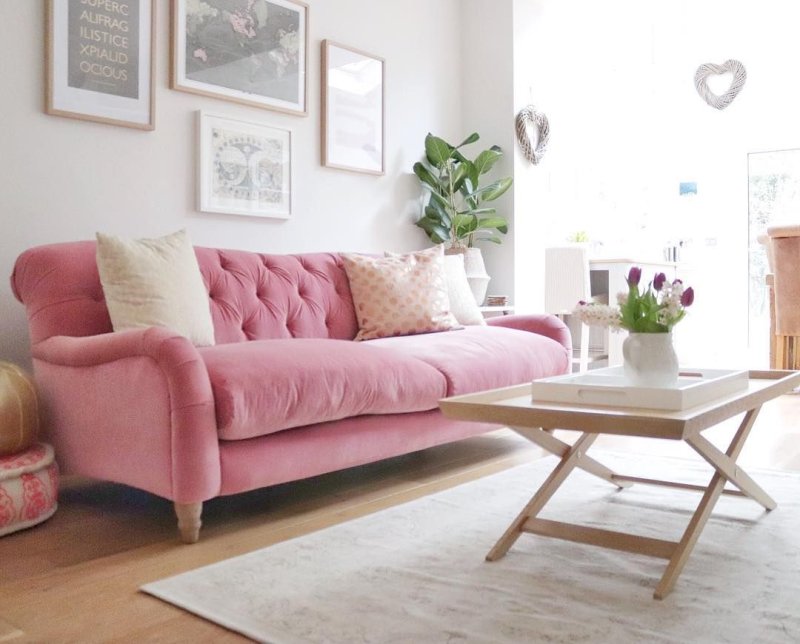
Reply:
x=462, y=302
x=155, y=282
x=399, y=294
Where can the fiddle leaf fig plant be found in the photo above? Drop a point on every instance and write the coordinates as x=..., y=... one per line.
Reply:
x=455, y=213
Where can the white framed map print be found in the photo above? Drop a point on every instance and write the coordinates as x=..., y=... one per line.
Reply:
x=245, y=168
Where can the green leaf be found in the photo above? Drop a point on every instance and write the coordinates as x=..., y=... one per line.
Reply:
x=425, y=175
x=461, y=174
x=440, y=199
x=437, y=150
x=493, y=190
x=435, y=212
x=494, y=222
x=467, y=190
x=491, y=238
x=478, y=211
x=457, y=156
x=465, y=225
x=436, y=232
x=470, y=139
x=486, y=160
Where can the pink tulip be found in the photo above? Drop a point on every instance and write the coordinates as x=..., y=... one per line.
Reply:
x=658, y=281
x=634, y=276
x=687, y=297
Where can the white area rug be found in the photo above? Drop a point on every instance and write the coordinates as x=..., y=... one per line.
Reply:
x=416, y=572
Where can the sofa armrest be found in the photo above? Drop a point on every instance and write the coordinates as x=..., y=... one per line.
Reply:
x=541, y=323
x=134, y=407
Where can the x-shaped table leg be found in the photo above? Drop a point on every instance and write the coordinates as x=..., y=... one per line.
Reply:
x=726, y=470
x=543, y=438
x=572, y=456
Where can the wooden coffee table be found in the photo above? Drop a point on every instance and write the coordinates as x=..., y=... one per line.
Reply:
x=514, y=407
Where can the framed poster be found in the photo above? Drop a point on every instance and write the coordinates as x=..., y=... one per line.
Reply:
x=100, y=61
x=352, y=109
x=248, y=51
x=244, y=168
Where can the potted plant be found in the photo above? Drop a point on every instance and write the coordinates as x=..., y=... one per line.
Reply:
x=648, y=314
x=455, y=213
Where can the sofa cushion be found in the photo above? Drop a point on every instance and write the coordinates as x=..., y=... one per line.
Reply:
x=155, y=282
x=399, y=294
x=264, y=386
x=477, y=358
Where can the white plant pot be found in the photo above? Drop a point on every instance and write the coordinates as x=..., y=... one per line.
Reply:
x=477, y=276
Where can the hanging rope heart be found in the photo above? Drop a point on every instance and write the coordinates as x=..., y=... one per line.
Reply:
x=532, y=126
x=704, y=71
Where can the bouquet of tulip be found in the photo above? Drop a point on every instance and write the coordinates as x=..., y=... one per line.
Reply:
x=654, y=309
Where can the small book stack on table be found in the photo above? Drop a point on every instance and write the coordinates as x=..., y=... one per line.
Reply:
x=496, y=300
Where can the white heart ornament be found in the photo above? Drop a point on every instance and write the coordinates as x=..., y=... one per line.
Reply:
x=735, y=68
x=532, y=125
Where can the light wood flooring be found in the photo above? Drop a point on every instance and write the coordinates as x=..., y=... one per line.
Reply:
x=74, y=578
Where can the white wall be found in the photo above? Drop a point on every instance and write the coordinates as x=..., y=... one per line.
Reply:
x=529, y=215
x=487, y=100
x=66, y=179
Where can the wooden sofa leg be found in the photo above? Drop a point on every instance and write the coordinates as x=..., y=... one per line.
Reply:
x=189, y=521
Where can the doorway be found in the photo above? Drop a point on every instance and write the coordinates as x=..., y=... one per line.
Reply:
x=773, y=198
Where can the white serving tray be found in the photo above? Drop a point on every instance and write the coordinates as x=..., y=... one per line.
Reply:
x=609, y=388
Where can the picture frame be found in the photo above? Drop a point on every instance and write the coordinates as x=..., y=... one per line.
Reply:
x=244, y=168
x=255, y=55
x=353, y=98
x=100, y=61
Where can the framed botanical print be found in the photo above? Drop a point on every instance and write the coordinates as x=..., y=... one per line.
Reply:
x=100, y=60
x=245, y=168
x=248, y=51
x=352, y=109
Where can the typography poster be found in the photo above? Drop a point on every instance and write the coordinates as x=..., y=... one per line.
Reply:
x=100, y=56
x=104, y=46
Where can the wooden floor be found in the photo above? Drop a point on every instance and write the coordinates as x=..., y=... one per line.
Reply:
x=74, y=578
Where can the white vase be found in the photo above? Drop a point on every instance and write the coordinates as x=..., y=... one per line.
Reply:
x=477, y=276
x=649, y=360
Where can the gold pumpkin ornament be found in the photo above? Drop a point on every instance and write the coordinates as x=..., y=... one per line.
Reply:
x=19, y=410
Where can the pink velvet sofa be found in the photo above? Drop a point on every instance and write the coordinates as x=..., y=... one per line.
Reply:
x=285, y=393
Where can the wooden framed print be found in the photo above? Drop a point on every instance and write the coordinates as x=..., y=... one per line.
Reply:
x=352, y=109
x=101, y=60
x=245, y=168
x=248, y=51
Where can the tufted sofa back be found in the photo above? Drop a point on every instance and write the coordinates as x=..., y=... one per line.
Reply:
x=252, y=296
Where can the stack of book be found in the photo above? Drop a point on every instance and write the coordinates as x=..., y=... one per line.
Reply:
x=497, y=300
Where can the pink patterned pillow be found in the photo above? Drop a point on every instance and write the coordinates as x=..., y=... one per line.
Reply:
x=399, y=295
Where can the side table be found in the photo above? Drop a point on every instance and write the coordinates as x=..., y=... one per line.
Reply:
x=491, y=311
x=28, y=488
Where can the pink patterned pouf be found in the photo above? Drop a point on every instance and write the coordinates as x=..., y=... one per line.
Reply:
x=28, y=488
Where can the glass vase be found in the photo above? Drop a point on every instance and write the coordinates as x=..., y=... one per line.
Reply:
x=650, y=360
